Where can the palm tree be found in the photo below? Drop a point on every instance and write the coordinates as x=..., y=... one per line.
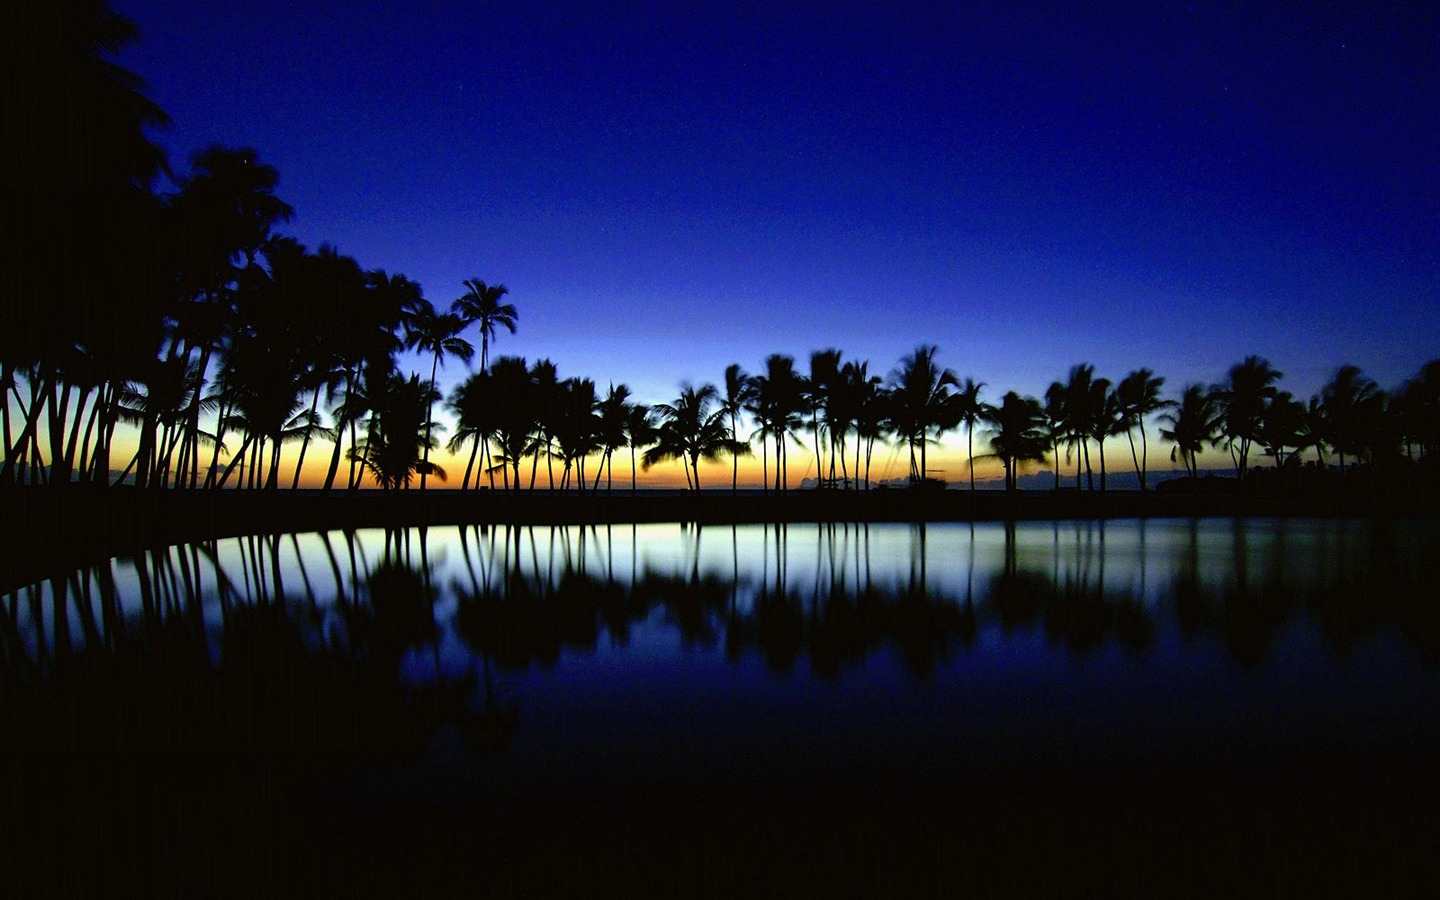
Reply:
x=921, y=403
x=513, y=392
x=1420, y=409
x=1139, y=396
x=472, y=404
x=576, y=428
x=439, y=335
x=1057, y=430
x=223, y=215
x=776, y=402
x=970, y=412
x=1194, y=421
x=818, y=390
x=1347, y=404
x=481, y=303
x=1284, y=426
x=1083, y=404
x=738, y=391
x=1242, y=399
x=614, y=412
x=639, y=432
x=90, y=254
x=1018, y=434
x=365, y=338
x=856, y=405
x=690, y=431
x=545, y=398
x=398, y=443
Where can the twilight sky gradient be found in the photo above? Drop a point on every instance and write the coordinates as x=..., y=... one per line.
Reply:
x=667, y=188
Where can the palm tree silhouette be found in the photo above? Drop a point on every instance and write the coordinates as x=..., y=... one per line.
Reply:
x=1139, y=396
x=855, y=406
x=1018, y=435
x=545, y=399
x=690, y=430
x=970, y=411
x=481, y=304
x=1349, y=403
x=1083, y=403
x=922, y=403
x=738, y=391
x=472, y=402
x=84, y=230
x=614, y=413
x=818, y=393
x=576, y=428
x=398, y=443
x=439, y=335
x=776, y=403
x=1242, y=398
x=513, y=392
x=1193, y=421
x=639, y=432
x=364, y=336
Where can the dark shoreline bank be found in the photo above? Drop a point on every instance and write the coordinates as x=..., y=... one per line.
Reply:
x=46, y=531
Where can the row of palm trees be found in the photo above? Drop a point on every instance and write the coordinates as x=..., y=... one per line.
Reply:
x=183, y=317
x=838, y=411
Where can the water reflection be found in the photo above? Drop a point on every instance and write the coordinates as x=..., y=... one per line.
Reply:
x=829, y=593
x=535, y=659
x=398, y=631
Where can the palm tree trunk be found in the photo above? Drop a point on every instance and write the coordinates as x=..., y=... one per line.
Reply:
x=1101, y=442
x=429, y=413
x=970, y=453
x=305, y=441
x=14, y=451
x=470, y=464
x=1130, y=435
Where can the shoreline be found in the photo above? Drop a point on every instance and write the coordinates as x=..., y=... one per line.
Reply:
x=48, y=531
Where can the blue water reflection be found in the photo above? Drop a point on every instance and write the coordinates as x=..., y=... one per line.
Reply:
x=524, y=667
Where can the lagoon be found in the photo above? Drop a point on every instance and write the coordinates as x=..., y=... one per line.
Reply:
x=1227, y=702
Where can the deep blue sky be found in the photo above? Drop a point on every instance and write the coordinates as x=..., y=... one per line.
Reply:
x=670, y=187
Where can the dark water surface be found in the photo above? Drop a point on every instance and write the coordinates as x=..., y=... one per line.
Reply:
x=786, y=709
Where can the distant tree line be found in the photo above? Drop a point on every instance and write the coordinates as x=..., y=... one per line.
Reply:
x=183, y=316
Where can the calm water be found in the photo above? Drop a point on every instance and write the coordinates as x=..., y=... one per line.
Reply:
x=539, y=671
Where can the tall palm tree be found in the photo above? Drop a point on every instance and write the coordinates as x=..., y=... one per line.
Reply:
x=614, y=412
x=1138, y=394
x=776, y=402
x=854, y=406
x=1084, y=406
x=738, y=390
x=1057, y=429
x=922, y=405
x=1420, y=405
x=1194, y=421
x=576, y=428
x=691, y=430
x=514, y=415
x=639, y=432
x=1347, y=404
x=1242, y=398
x=472, y=402
x=397, y=445
x=1284, y=427
x=437, y=334
x=970, y=411
x=1018, y=435
x=365, y=338
x=818, y=393
x=545, y=399
x=481, y=304
x=89, y=254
